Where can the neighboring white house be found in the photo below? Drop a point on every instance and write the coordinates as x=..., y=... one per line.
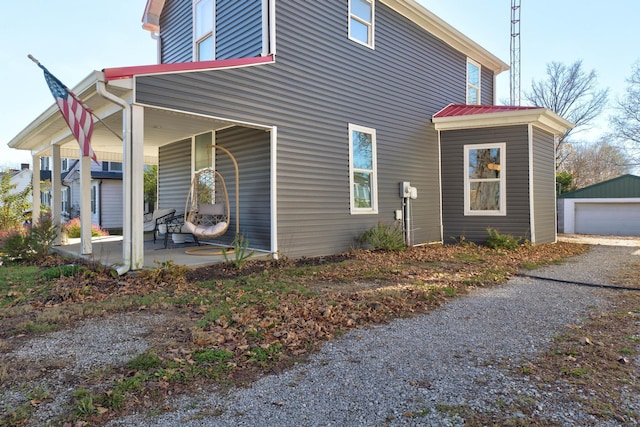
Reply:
x=106, y=193
x=106, y=189
x=608, y=208
x=21, y=179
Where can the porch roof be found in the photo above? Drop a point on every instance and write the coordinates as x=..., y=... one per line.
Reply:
x=161, y=126
x=463, y=116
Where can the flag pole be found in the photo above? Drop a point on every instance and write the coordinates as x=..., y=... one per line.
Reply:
x=31, y=57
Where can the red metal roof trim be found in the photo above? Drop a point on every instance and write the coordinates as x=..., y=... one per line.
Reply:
x=456, y=110
x=128, y=72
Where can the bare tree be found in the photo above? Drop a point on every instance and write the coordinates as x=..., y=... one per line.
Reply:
x=626, y=123
x=590, y=164
x=571, y=93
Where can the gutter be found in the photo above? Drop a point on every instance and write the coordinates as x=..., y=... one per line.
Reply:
x=127, y=247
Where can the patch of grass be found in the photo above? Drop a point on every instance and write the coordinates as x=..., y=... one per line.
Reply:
x=471, y=256
x=84, y=404
x=418, y=414
x=144, y=362
x=265, y=354
x=18, y=416
x=450, y=292
x=67, y=270
x=213, y=355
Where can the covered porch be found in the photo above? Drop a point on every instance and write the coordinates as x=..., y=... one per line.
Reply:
x=137, y=135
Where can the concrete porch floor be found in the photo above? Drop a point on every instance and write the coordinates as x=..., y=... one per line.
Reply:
x=107, y=250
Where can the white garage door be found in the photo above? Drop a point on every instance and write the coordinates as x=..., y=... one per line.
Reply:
x=616, y=219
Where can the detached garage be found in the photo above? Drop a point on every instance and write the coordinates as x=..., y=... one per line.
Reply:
x=607, y=208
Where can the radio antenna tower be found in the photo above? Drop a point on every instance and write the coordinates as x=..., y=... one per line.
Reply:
x=514, y=71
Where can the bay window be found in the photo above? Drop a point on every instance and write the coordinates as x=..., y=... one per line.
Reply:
x=484, y=179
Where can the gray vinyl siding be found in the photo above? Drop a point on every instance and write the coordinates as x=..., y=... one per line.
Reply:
x=111, y=204
x=313, y=94
x=238, y=28
x=176, y=32
x=544, y=182
x=251, y=148
x=486, y=87
x=174, y=175
x=474, y=228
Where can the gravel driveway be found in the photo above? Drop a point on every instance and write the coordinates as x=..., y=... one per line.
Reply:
x=416, y=371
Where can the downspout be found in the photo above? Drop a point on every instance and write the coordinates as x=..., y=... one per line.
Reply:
x=126, y=148
x=158, y=39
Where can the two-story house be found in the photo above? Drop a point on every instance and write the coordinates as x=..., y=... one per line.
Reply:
x=340, y=114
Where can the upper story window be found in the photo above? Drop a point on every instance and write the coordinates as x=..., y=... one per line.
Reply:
x=473, y=82
x=361, y=21
x=111, y=167
x=484, y=179
x=65, y=165
x=44, y=163
x=203, y=32
x=363, y=170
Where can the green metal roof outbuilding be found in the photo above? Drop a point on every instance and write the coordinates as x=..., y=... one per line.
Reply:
x=624, y=186
x=608, y=208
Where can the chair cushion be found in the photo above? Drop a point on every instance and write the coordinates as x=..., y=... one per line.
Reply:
x=204, y=231
x=162, y=212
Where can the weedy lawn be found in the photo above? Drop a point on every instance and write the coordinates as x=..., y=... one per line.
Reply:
x=229, y=326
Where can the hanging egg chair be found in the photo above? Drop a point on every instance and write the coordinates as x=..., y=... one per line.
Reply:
x=207, y=211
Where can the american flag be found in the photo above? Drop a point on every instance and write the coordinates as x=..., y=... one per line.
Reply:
x=75, y=113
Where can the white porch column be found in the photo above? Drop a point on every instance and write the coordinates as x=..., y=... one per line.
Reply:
x=136, y=163
x=56, y=191
x=86, y=248
x=35, y=185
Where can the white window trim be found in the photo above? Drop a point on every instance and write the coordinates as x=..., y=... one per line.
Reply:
x=371, y=25
x=503, y=180
x=64, y=196
x=468, y=85
x=211, y=33
x=374, y=172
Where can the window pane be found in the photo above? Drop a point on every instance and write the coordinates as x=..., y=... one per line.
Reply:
x=484, y=196
x=115, y=166
x=473, y=74
x=205, y=49
x=203, y=151
x=359, y=31
x=362, y=156
x=472, y=95
x=362, y=190
x=204, y=18
x=484, y=163
x=361, y=9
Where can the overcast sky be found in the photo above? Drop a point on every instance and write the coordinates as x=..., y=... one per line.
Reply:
x=74, y=37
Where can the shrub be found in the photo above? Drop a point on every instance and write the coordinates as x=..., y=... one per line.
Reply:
x=30, y=243
x=388, y=237
x=72, y=227
x=497, y=240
